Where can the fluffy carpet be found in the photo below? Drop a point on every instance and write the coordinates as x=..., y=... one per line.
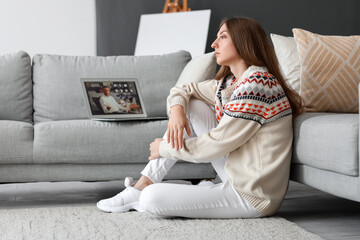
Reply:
x=86, y=222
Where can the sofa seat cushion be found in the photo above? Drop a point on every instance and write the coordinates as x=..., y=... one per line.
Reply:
x=16, y=142
x=96, y=172
x=327, y=141
x=57, y=89
x=95, y=142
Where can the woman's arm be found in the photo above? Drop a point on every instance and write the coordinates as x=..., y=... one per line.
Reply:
x=177, y=122
x=204, y=91
x=243, y=116
x=230, y=134
x=178, y=100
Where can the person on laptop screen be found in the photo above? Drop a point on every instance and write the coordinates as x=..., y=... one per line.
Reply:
x=110, y=105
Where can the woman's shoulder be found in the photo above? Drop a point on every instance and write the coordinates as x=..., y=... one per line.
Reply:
x=258, y=97
x=259, y=73
x=259, y=79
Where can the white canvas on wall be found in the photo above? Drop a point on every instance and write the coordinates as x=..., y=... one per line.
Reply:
x=170, y=32
x=64, y=27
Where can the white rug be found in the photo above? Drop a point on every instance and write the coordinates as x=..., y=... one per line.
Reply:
x=86, y=222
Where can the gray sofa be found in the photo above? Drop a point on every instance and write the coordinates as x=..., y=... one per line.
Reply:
x=45, y=133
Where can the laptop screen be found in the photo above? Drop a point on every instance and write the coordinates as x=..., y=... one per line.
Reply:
x=113, y=98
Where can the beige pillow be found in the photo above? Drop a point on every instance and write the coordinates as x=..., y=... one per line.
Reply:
x=197, y=70
x=288, y=57
x=330, y=71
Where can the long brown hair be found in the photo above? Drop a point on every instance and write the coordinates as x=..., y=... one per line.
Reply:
x=253, y=46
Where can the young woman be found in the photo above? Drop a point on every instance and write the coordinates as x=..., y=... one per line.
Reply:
x=248, y=140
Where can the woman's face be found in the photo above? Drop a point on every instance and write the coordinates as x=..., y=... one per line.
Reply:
x=225, y=51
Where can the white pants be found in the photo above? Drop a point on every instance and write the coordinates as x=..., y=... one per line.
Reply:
x=217, y=201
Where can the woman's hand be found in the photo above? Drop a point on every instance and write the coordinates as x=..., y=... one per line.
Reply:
x=177, y=123
x=154, y=149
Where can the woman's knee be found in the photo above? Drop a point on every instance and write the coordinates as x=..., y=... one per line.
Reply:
x=196, y=106
x=201, y=116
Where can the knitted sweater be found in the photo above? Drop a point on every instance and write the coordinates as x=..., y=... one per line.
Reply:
x=255, y=130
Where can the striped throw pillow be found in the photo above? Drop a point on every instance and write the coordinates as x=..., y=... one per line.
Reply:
x=330, y=71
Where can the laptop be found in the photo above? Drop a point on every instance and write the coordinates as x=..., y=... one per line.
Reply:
x=114, y=99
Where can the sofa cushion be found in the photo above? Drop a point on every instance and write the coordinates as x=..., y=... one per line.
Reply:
x=16, y=142
x=330, y=71
x=16, y=87
x=288, y=57
x=95, y=142
x=197, y=70
x=57, y=89
x=327, y=141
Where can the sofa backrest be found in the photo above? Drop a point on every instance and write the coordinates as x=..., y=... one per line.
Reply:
x=16, y=102
x=57, y=90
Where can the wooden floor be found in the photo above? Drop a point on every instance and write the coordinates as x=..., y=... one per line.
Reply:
x=325, y=215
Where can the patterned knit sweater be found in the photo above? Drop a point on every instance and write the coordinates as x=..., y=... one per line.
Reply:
x=255, y=130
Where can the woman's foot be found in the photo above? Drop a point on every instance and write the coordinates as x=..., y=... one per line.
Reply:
x=127, y=199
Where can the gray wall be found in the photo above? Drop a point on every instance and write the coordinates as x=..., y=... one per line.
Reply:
x=118, y=20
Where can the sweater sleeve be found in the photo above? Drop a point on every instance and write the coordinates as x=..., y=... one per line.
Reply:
x=204, y=91
x=226, y=137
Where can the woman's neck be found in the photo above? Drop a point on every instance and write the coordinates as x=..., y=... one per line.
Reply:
x=238, y=69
